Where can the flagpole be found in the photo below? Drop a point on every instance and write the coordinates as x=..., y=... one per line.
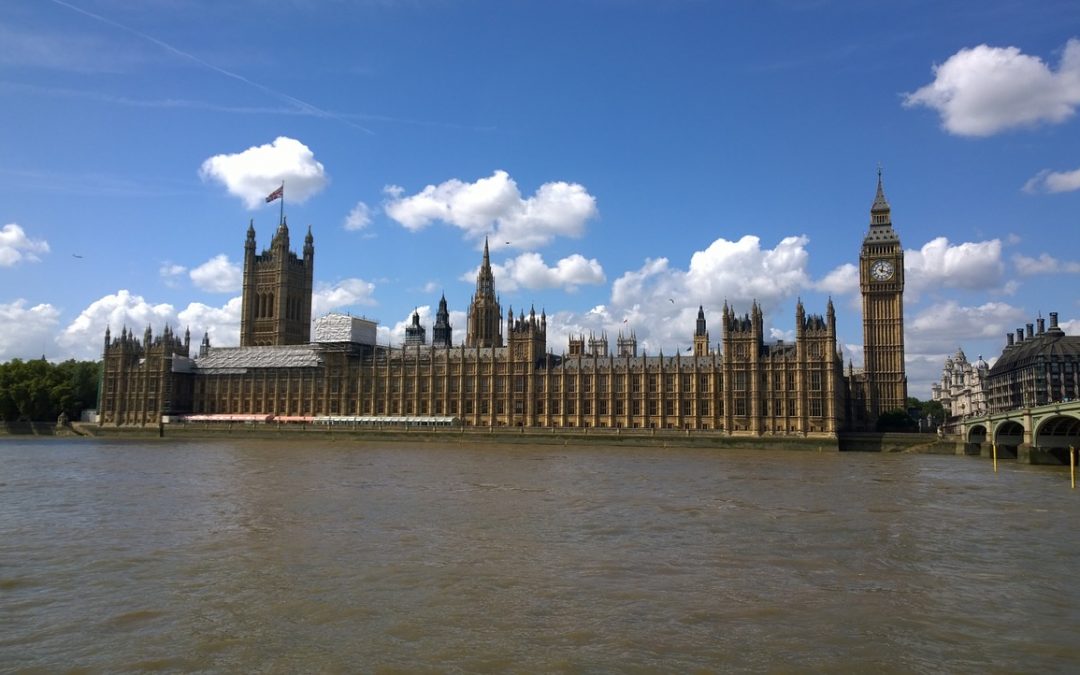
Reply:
x=281, y=217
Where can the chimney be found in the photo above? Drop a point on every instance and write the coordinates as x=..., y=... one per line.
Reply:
x=1009, y=339
x=1041, y=325
x=1019, y=335
x=1053, y=320
x=1030, y=331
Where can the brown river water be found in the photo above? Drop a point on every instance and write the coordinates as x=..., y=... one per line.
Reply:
x=314, y=556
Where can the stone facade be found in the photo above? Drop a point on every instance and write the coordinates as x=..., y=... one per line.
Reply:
x=276, y=307
x=964, y=386
x=881, y=279
x=505, y=374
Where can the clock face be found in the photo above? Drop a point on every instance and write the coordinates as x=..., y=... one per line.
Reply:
x=882, y=270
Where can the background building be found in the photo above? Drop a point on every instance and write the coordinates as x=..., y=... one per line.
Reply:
x=1039, y=366
x=964, y=386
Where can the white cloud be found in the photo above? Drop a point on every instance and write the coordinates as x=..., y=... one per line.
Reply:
x=328, y=297
x=218, y=275
x=495, y=206
x=841, y=281
x=660, y=302
x=937, y=331
x=259, y=170
x=222, y=323
x=922, y=371
x=171, y=272
x=939, y=264
x=940, y=328
x=1071, y=327
x=743, y=271
x=359, y=217
x=1053, y=181
x=984, y=90
x=27, y=332
x=82, y=338
x=15, y=246
x=395, y=335
x=1044, y=264
x=528, y=270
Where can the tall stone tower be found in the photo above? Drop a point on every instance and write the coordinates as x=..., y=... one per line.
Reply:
x=442, y=332
x=485, y=315
x=415, y=334
x=881, y=276
x=701, y=334
x=276, y=306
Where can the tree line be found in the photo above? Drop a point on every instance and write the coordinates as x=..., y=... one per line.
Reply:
x=39, y=391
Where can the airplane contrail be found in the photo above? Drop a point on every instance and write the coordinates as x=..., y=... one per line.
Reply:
x=303, y=105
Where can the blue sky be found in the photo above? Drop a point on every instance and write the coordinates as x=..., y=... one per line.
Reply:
x=629, y=159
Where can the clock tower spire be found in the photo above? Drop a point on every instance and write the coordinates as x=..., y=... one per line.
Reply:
x=881, y=278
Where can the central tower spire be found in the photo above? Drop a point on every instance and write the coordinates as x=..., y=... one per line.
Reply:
x=485, y=315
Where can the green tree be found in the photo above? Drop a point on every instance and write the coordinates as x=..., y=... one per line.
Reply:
x=37, y=390
x=896, y=420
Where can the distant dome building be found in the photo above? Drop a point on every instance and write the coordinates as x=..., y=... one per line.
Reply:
x=964, y=386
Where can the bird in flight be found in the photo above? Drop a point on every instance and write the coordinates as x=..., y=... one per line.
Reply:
x=671, y=300
x=76, y=255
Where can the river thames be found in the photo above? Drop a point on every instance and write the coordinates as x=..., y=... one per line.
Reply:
x=313, y=556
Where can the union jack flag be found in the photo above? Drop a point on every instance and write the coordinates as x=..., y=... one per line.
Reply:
x=276, y=194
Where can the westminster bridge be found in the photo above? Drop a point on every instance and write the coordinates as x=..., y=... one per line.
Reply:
x=1039, y=435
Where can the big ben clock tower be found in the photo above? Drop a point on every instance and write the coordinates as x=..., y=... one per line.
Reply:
x=881, y=277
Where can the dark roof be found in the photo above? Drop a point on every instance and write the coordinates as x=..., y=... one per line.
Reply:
x=1053, y=345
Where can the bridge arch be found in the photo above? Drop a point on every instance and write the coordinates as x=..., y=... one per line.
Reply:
x=977, y=433
x=1008, y=436
x=1056, y=433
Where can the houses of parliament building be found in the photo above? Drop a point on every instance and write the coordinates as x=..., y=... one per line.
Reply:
x=504, y=373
